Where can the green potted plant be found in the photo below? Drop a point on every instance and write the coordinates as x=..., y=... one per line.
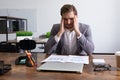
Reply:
x=23, y=34
x=47, y=34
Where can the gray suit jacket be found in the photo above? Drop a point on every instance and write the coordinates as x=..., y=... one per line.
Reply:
x=84, y=43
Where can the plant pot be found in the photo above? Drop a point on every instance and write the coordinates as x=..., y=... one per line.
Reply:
x=23, y=37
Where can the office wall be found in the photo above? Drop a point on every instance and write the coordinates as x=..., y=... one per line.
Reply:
x=102, y=15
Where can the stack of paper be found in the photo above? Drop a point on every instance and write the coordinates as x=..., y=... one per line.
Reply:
x=70, y=58
x=98, y=61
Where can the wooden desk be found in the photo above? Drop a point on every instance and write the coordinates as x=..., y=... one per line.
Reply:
x=21, y=72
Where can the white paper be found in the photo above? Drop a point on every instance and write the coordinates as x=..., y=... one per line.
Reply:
x=70, y=58
x=55, y=58
x=98, y=61
x=78, y=59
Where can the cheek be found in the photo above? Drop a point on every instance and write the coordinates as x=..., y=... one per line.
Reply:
x=72, y=22
x=65, y=22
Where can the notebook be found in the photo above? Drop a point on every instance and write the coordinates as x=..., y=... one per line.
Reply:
x=60, y=66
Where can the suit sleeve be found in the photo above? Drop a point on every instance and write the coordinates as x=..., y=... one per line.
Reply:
x=85, y=41
x=51, y=44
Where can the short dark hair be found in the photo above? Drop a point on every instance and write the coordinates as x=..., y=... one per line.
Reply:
x=68, y=8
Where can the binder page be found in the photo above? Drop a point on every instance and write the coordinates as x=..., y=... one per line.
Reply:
x=67, y=58
x=78, y=59
x=56, y=58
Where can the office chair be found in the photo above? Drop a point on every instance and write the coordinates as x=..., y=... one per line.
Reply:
x=27, y=45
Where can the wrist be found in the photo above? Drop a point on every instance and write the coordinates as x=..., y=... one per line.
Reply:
x=59, y=33
x=78, y=33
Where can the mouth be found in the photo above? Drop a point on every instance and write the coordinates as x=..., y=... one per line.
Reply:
x=68, y=26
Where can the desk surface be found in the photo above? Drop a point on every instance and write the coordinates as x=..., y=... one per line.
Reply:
x=19, y=72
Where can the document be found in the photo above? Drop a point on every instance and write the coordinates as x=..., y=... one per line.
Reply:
x=67, y=58
x=78, y=59
x=98, y=61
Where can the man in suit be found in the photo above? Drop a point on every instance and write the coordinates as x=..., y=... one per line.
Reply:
x=70, y=37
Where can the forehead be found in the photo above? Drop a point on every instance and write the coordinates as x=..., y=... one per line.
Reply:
x=68, y=15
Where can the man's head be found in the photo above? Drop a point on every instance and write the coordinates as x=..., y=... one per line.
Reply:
x=68, y=8
x=68, y=13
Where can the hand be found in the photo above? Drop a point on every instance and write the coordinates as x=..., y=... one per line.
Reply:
x=62, y=29
x=76, y=26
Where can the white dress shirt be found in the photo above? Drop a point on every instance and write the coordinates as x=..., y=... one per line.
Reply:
x=70, y=42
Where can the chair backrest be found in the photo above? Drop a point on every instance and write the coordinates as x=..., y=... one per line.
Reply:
x=27, y=44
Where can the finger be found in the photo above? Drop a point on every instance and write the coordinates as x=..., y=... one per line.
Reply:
x=75, y=18
x=62, y=22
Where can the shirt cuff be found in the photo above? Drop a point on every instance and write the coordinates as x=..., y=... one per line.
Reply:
x=57, y=38
x=79, y=36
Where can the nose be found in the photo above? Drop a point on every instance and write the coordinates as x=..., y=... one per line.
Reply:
x=68, y=21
